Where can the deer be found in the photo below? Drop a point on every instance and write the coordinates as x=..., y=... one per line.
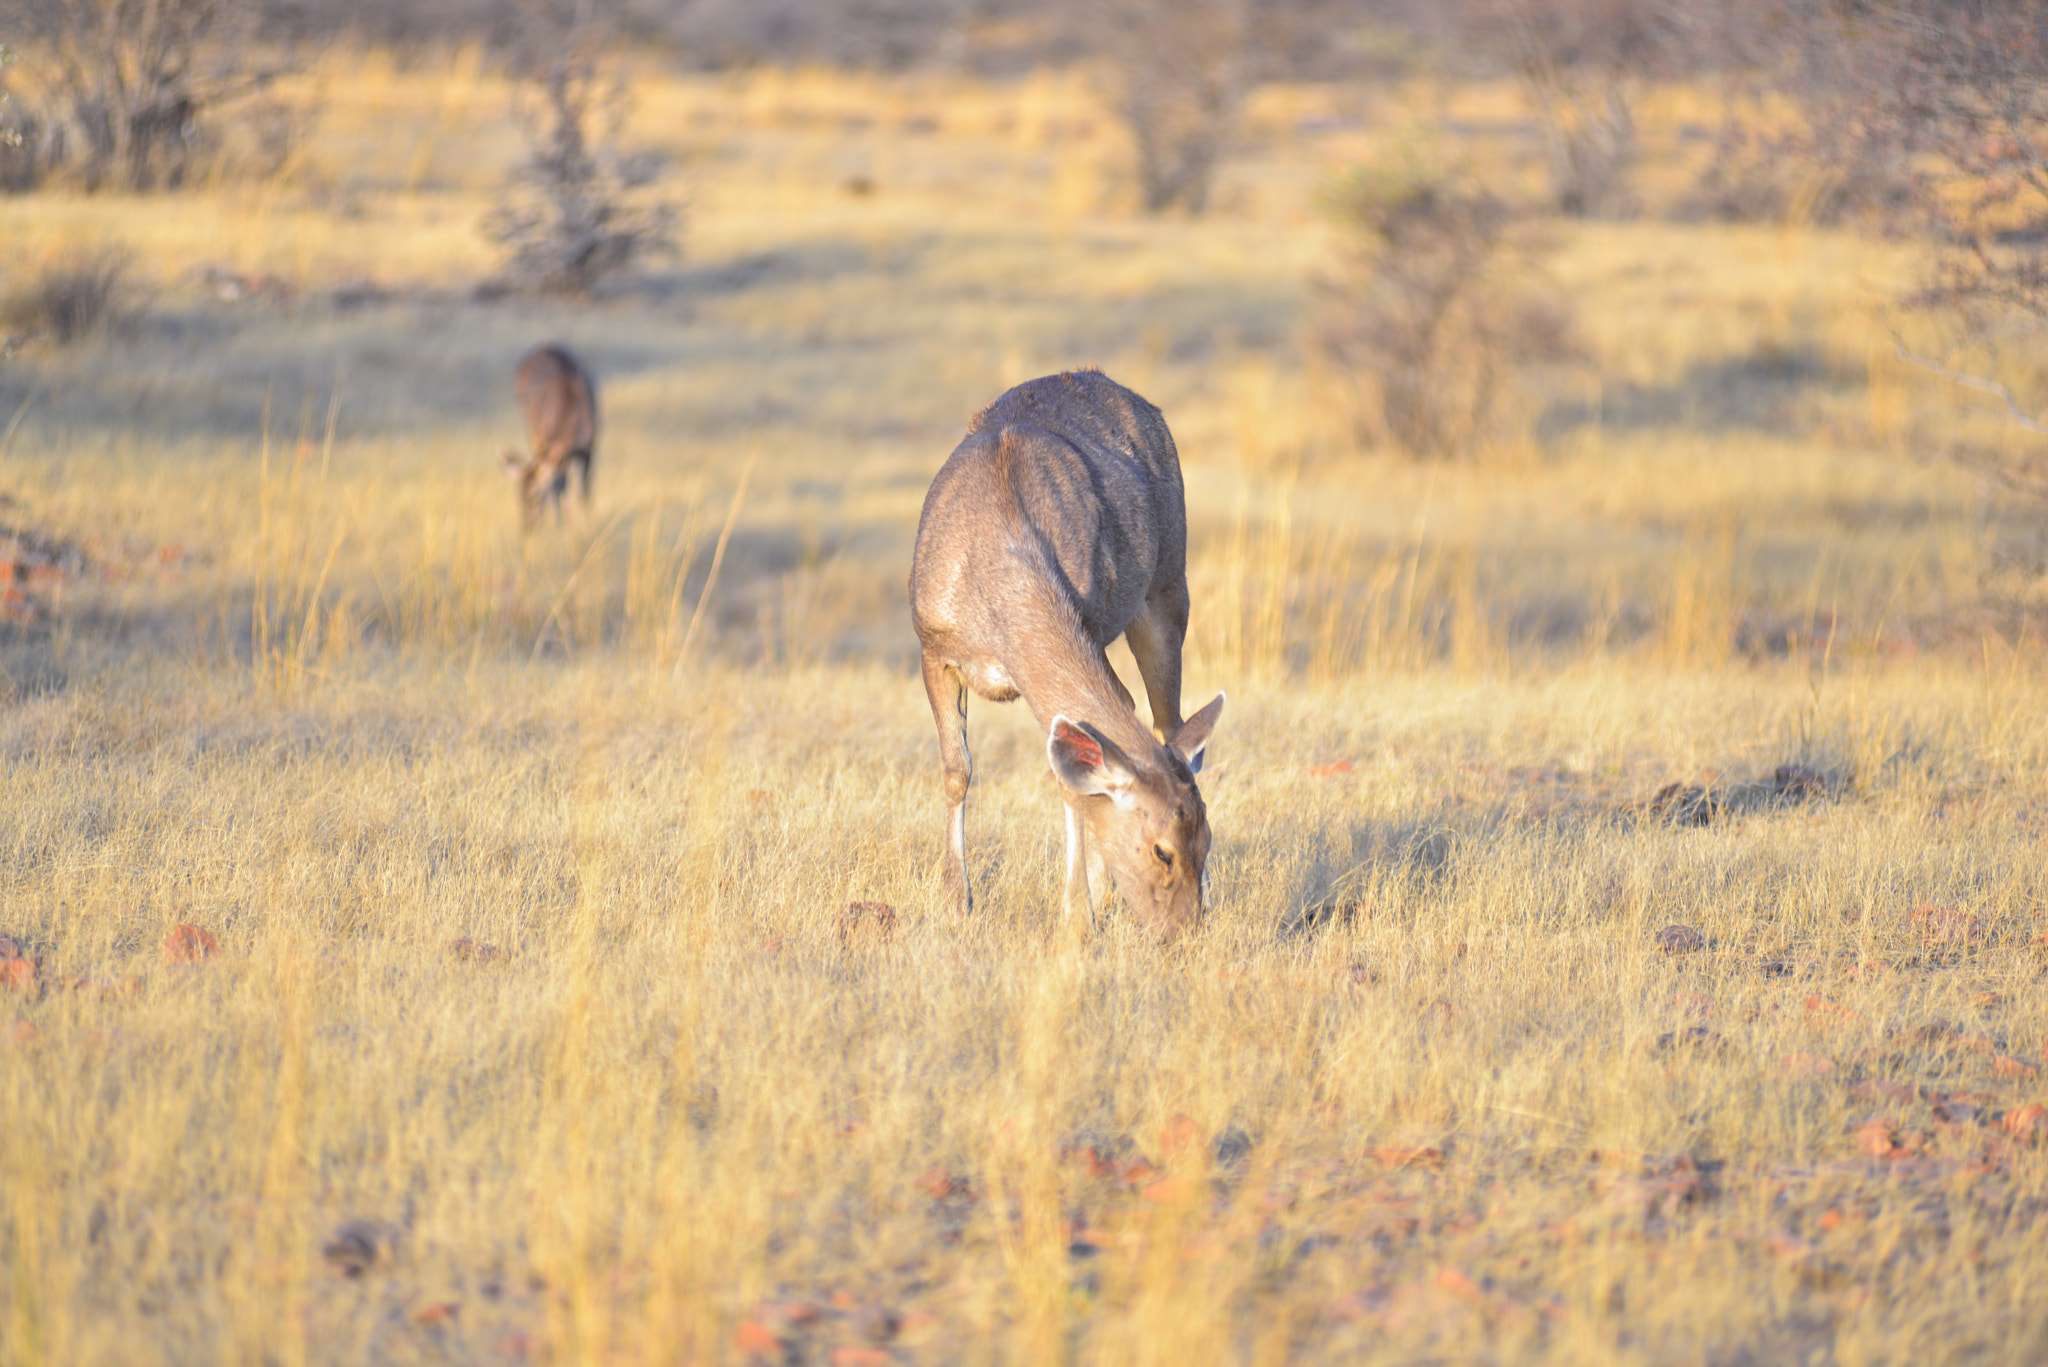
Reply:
x=1056, y=525
x=558, y=399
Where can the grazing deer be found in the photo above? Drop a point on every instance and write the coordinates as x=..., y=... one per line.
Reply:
x=558, y=399
x=1058, y=524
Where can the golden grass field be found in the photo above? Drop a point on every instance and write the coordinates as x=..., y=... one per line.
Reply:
x=538, y=1030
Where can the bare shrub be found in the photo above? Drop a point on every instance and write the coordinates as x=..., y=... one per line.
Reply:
x=124, y=89
x=72, y=298
x=1426, y=312
x=1179, y=73
x=1954, y=93
x=577, y=210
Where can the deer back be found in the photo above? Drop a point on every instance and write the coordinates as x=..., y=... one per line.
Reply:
x=558, y=399
x=1061, y=509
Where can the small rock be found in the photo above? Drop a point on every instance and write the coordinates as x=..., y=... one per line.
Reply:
x=1695, y=1037
x=10, y=948
x=877, y=1323
x=189, y=945
x=1677, y=939
x=1231, y=1147
x=475, y=952
x=1945, y=926
x=1685, y=805
x=1798, y=782
x=358, y=1246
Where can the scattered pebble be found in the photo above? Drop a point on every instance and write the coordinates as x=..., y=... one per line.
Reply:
x=1677, y=939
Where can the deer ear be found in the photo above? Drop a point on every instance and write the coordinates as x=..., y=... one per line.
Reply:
x=1193, y=736
x=1088, y=762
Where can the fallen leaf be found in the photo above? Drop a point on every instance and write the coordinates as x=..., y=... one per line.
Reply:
x=757, y=1339
x=938, y=1184
x=1178, y=1135
x=1456, y=1282
x=1944, y=925
x=1823, y=1013
x=1171, y=1190
x=854, y=1355
x=439, y=1312
x=1882, y=1089
x=1396, y=1157
x=2027, y=1122
x=189, y=945
x=2005, y=1065
x=1875, y=1138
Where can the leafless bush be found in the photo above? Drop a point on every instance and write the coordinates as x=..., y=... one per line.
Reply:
x=1180, y=71
x=579, y=209
x=124, y=89
x=74, y=297
x=1954, y=93
x=1427, y=312
x=1179, y=74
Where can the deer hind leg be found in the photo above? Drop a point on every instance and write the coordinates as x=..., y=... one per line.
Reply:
x=1155, y=637
x=947, y=692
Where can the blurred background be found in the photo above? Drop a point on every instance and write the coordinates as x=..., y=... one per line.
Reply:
x=1493, y=332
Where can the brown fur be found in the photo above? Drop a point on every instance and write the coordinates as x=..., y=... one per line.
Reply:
x=1057, y=525
x=558, y=399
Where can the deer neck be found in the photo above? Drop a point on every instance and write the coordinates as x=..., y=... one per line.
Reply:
x=1070, y=678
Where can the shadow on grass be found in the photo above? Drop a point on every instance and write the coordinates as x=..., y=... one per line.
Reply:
x=1760, y=391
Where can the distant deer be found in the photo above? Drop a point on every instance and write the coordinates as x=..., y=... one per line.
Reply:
x=1056, y=525
x=558, y=399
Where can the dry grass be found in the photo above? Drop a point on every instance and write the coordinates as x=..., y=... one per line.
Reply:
x=533, y=958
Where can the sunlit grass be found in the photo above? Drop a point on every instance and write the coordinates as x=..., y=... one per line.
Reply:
x=533, y=948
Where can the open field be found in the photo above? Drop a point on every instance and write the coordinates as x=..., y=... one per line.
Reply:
x=539, y=1029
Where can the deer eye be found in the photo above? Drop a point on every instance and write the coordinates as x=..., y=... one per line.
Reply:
x=1163, y=855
